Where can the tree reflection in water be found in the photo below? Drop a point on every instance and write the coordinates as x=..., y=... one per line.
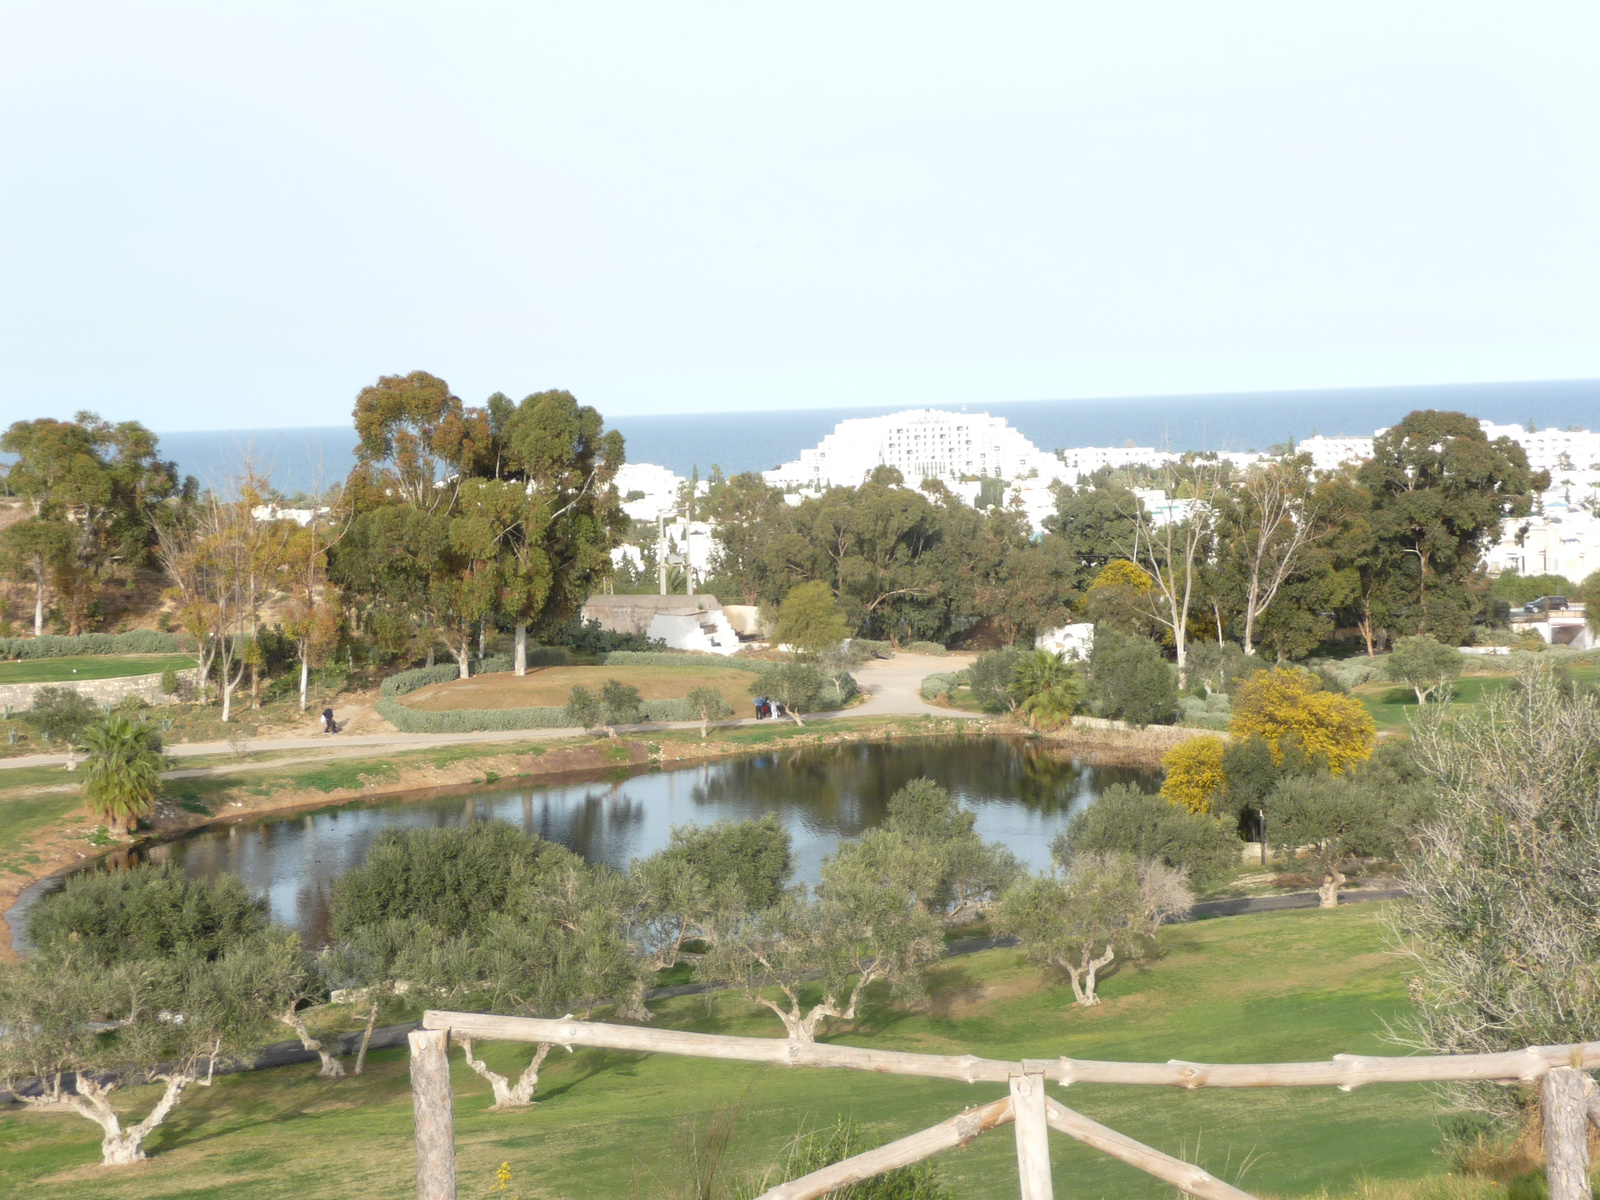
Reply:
x=1022, y=794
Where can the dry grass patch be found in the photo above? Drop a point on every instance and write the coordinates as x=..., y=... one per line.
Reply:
x=551, y=686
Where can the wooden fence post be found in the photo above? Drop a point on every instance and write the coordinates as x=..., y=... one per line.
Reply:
x=435, y=1122
x=1565, y=1092
x=1033, y=1136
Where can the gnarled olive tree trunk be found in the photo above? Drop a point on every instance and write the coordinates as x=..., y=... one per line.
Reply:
x=119, y=1144
x=508, y=1094
x=332, y=1068
x=1085, y=973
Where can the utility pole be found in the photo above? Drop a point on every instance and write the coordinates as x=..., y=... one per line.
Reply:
x=661, y=551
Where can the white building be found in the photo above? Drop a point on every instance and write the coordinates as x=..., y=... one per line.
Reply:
x=921, y=444
x=655, y=490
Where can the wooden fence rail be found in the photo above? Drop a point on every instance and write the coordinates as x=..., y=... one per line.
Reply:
x=1567, y=1091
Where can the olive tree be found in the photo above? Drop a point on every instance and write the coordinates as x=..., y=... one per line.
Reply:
x=1079, y=917
x=796, y=686
x=705, y=879
x=1503, y=924
x=707, y=705
x=929, y=840
x=863, y=925
x=1425, y=665
x=1142, y=824
x=1322, y=820
x=86, y=1028
x=490, y=918
x=617, y=704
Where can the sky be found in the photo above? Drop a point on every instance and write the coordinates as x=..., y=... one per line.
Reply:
x=219, y=216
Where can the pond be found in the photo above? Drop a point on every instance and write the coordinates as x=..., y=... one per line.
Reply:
x=1022, y=795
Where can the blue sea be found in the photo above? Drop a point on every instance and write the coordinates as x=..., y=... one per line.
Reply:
x=756, y=441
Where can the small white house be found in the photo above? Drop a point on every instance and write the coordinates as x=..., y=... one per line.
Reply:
x=1074, y=641
x=705, y=630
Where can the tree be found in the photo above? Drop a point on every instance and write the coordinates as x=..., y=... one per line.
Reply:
x=115, y=956
x=990, y=677
x=706, y=879
x=33, y=549
x=928, y=842
x=1323, y=820
x=1195, y=776
x=122, y=773
x=1423, y=664
x=417, y=439
x=146, y=914
x=1502, y=928
x=1094, y=522
x=61, y=712
x=1266, y=523
x=85, y=1029
x=1172, y=551
x=809, y=620
x=1127, y=820
x=796, y=686
x=707, y=705
x=223, y=564
x=1130, y=680
x=617, y=704
x=1095, y=905
x=1589, y=593
x=863, y=925
x=1285, y=704
x=1046, y=688
x=1119, y=598
x=1440, y=490
x=488, y=917
x=562, y=515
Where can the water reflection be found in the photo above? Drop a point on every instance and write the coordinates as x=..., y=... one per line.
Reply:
x=1022, y=796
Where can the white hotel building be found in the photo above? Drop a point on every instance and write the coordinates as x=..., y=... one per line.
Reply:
x=920, y=443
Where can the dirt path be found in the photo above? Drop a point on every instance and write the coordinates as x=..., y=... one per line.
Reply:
x=891, y=687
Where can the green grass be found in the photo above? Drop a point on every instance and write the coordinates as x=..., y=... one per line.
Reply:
x=21, y=817
x=56, y=670
x=1279, y=986
x=1391, y=706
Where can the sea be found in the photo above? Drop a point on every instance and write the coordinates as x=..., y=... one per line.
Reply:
x=298, y=459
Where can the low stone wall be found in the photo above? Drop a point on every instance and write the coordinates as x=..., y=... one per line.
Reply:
x=19, y=696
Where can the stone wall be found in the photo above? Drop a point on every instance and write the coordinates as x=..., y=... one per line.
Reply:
x=633, y=614
x=19, y=696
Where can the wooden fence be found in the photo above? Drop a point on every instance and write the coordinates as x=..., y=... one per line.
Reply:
x=1569, y=1097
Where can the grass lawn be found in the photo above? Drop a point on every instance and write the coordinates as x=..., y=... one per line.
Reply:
x=551, y=686
x=1295, y=985
x=1391, y=705
x=107, y=666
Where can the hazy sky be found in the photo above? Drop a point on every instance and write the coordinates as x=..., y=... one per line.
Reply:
x=229, y=215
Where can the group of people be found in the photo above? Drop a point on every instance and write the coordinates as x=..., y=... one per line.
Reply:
x=767, y=708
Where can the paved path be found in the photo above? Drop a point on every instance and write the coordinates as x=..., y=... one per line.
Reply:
x=891, y=686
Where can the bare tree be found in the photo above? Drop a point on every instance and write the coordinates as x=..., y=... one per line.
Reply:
x=1273, y=522
x=1172, y=547
x=223, y=564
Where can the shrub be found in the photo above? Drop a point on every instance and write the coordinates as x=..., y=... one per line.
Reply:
x=1145, y=826
x=926, y=648
x=1282, y=703
x=1195, y=779
x=587, y=638
x=1130, y=680
x=135, y=641
x=170, y=683
x=873, y=649
x=146, y=913
x=941, y=683
x=60, y=712
x=991, y=677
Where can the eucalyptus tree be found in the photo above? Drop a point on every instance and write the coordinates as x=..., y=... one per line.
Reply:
x=1264, y=526
x=1440, y=492
x=33, y=551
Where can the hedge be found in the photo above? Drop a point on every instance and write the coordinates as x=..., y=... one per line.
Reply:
x=135, y=641
x=925, y=648
x=500, y=720
x=666, y=658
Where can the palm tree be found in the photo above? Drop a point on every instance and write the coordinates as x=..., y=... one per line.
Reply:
x=1047, y=688
x=123, y=771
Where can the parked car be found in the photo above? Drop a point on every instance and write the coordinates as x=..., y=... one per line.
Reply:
x=1545, y=604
